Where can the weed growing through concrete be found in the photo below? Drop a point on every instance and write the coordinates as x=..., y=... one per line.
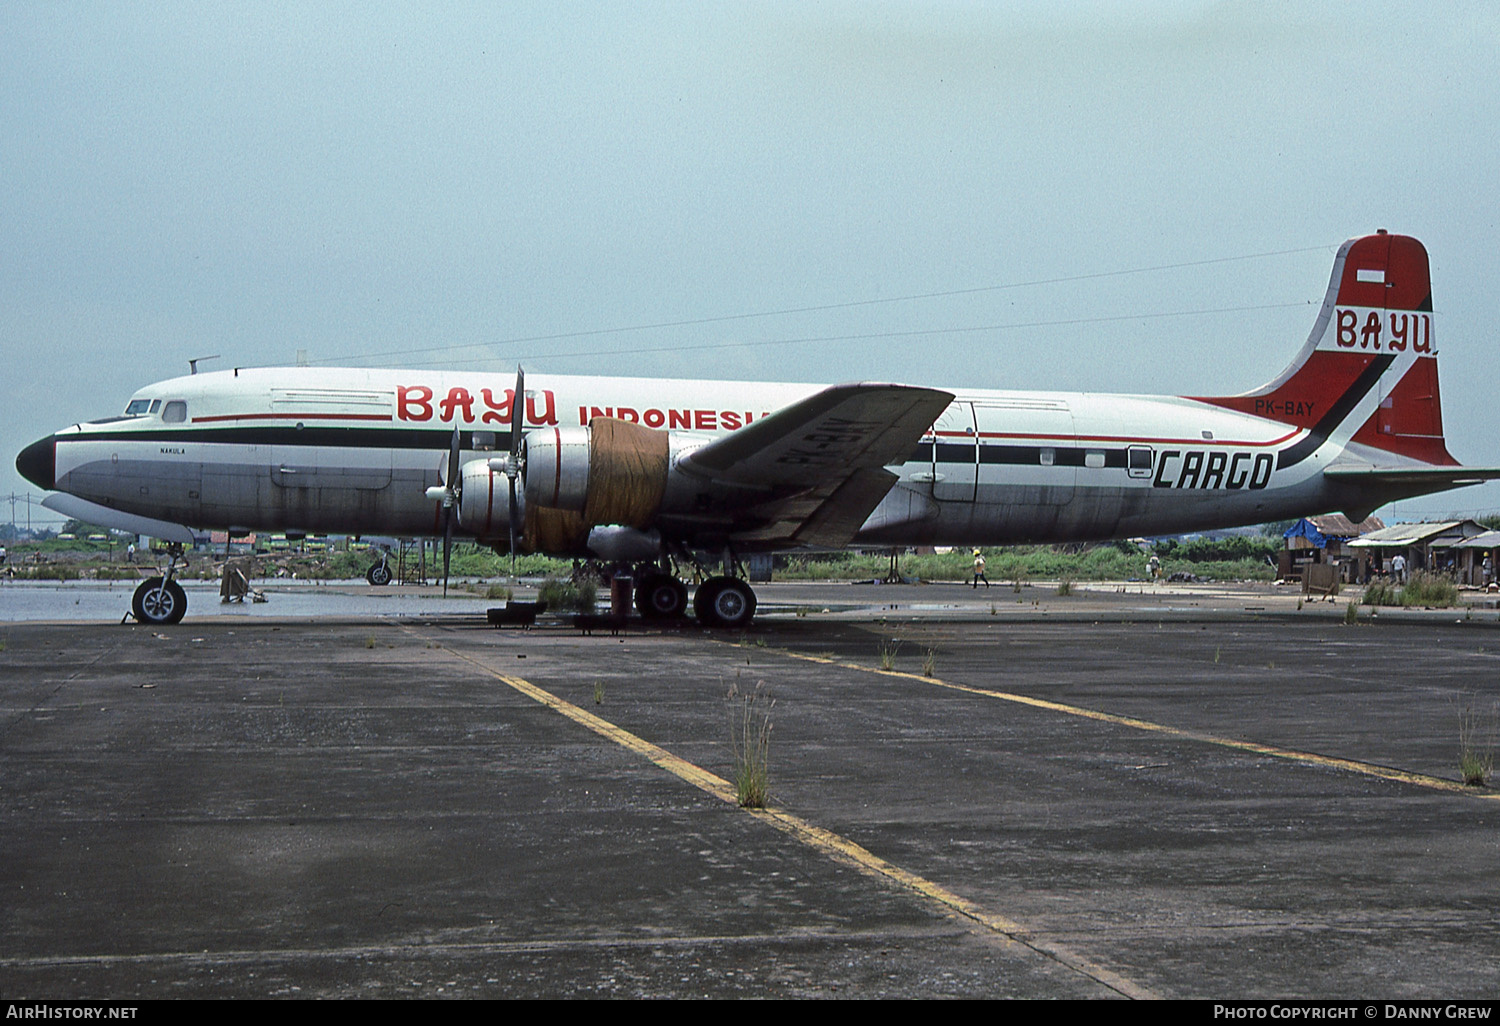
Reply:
x=370, y=641
x=1064, y=588
x=888, y=649
x=598, y=692
x=1476, y=744
x=750, y=737
x=1216, y=655
x=929, y=662
x=1351, y=613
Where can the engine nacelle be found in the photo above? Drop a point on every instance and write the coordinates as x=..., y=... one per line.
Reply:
x=611, y=472
x=484, y=503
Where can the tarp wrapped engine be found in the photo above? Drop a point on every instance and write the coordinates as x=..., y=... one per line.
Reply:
x=612, y=472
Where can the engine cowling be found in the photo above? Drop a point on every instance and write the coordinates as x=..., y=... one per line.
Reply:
x=611, y=472
x=484, y=503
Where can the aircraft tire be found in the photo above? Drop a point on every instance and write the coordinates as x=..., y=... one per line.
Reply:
x=661, y=597
x=724, y=602
x=159, y=602
x=378, y=575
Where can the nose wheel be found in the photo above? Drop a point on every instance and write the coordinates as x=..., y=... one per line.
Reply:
x=159, y=601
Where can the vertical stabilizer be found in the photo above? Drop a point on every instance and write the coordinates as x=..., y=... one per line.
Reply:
x=1368, y=373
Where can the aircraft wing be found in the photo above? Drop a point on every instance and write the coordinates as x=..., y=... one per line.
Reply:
x=812, y=472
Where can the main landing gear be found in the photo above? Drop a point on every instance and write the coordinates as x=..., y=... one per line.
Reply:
x=160, y=601
x=726, y=602
x=660, y=596
x=722, y=601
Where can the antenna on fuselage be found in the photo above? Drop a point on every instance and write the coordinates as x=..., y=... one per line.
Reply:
x=193, y=363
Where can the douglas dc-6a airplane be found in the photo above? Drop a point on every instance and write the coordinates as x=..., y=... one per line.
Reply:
x=654, y=472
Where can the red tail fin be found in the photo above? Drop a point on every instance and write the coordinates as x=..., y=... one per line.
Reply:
x=1374, y=334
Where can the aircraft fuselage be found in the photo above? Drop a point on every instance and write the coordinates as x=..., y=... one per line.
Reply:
x=353, y=451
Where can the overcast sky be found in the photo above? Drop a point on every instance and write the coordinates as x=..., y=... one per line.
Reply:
x=471, y=185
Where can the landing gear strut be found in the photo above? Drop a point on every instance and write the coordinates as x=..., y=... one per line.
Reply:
x=160, y=601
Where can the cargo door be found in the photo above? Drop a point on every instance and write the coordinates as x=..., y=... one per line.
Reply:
x=1028, y=452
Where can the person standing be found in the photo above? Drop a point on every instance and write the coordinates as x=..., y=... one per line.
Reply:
x=1398, y=568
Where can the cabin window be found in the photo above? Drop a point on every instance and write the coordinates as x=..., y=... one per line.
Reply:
x=175, y=412
x=1138, y=461
x=1049, y=457
x=1093, y=458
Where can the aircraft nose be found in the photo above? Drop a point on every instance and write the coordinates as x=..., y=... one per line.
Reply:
x=38, y=462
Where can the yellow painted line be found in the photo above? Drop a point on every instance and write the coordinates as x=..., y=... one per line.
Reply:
x=1006, y=930
x=1332, y=762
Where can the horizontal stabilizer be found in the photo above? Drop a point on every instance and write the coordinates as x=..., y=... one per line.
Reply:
x=1436, y=478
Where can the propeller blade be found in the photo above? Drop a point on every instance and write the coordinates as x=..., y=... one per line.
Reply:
x=453, y=468
x=447, y=545
x=512, y=520
x=455, y=487
x=518, y=414
x=517, y=424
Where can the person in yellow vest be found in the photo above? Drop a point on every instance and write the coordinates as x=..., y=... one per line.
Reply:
x=979, y=570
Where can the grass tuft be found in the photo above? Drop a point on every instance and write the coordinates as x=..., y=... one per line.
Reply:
x=1428, y=589
x=929, y=662
x=567, y=595
x=888, y=649
x=750, y=737
x=1476, y=745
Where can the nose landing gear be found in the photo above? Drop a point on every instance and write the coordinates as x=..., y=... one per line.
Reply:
x=160, y=601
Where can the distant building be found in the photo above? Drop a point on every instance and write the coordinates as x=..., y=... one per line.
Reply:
x=1325, y=540
x=1429, y=546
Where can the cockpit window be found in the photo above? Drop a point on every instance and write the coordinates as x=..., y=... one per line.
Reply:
x=137, y=407
x=155, y=405
x=175, y=412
